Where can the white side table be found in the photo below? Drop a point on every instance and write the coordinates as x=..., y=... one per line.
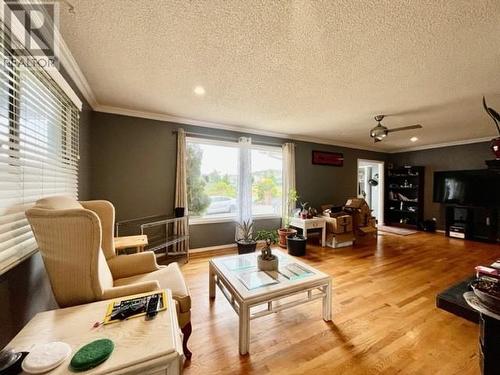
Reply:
x=314, y=223
x=141, y=347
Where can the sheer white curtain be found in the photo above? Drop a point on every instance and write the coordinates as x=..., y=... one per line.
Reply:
x=244, y=183
x=181, y=228
x=288, y=179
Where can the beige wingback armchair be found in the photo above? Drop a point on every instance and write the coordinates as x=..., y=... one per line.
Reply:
x=76, y=240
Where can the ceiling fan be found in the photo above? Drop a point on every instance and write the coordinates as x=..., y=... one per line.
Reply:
x=379, y=132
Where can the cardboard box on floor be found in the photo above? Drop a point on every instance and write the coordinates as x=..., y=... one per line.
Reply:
x=340, y=240
x=338, y=224
x=365, y=227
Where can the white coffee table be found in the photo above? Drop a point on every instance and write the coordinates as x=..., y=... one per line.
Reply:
x=227, y=273
x=314, y=223
x=141, y=347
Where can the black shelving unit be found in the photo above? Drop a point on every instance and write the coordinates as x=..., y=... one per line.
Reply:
x=404, y=196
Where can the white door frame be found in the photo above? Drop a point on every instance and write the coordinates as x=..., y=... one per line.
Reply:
x=381, y=184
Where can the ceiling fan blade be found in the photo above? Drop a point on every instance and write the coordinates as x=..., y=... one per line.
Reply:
x=417, y=126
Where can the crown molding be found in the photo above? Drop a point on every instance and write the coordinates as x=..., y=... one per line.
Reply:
x=215, y=125
x=441, y=145
x=69, y=63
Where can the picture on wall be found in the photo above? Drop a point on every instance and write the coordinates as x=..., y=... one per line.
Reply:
x=335, y=159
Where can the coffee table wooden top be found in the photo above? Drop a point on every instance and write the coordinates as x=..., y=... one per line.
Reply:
x=230, y=267
x=139, y=344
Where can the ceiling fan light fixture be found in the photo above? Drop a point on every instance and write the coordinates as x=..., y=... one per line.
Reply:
x=379, y=132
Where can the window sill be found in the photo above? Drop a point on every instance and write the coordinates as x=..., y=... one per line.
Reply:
x=219, y=220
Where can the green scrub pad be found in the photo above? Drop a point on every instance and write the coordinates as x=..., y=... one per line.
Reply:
x=92, y=355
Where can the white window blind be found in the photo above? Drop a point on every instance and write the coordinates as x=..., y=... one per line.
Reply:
x=38, y=149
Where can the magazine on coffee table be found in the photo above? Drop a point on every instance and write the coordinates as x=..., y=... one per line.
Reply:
x=256, y=279
x=294, y=271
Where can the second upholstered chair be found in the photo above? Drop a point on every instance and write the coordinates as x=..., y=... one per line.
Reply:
x=76, y=240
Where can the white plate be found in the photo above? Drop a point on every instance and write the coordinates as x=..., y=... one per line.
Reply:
x=45, y=357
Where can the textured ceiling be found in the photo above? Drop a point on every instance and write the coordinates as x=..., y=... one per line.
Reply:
x=306, y=68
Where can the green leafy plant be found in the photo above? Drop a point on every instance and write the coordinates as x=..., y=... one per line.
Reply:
x=245, y=229
x=271, y=235
x=293, y=197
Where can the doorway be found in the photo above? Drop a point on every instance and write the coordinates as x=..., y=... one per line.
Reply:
x=371, y=186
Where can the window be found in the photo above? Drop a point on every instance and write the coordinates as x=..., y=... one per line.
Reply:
x=212, y=180
x=38, y=149
x=266, y=182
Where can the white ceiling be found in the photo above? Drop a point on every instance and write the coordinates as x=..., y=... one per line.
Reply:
x=319, y=69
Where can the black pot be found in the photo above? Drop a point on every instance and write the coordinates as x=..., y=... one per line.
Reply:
x=296, y=245
x=179, y=211
x=246, y=247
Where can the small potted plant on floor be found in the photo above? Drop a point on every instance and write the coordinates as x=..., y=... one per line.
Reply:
x=246, y=244
x=286, y=231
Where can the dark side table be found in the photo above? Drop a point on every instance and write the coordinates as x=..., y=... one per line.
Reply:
x=489, y=335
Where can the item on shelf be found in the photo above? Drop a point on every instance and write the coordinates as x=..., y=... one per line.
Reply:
x=45, y=357
x=246, y=243
x=267, y=261
x=92, y=355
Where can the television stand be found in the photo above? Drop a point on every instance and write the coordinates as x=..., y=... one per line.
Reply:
x=473, y=223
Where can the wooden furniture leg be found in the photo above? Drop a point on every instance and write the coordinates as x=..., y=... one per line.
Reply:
x=327, y=303
x=186, y=331
x=244, y=329
x=211, y=281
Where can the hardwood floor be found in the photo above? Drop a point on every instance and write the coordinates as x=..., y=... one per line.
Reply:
x=384, y=315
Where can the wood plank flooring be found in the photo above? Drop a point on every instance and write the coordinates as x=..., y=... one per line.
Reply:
x=384, y=315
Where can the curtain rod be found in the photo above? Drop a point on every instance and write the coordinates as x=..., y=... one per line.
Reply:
x=226, y=138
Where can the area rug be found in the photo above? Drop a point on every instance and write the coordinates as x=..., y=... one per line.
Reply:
x=396, y=230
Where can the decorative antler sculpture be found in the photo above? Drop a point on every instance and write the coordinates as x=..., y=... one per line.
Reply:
x=495, y=143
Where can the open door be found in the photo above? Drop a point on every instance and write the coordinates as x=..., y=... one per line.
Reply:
x=370, y=186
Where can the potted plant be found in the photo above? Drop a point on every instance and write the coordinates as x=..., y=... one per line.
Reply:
x=304, y=212
x=286, y=231
x=271, y=235
x=267, y=261
x=296, y=245
x=246, y=244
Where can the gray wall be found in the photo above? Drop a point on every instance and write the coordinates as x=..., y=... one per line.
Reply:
x=133, y=166
x=471, y=156
x=25, y=290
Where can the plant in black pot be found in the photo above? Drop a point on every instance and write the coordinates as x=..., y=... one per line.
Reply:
x=246, y=243
x=296, y=245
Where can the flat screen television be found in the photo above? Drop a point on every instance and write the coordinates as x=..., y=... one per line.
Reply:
x=469, y=188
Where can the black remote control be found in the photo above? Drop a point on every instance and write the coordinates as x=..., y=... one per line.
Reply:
x=152, y=308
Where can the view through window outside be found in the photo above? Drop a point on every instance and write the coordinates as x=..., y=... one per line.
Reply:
x=212, y=180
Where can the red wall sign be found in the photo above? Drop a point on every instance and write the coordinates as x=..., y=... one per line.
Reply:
x=335, y=159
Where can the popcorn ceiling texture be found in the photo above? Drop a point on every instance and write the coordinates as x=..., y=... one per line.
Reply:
x=312, y=68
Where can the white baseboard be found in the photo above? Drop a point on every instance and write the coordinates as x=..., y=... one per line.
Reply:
x=212, y=248
x=218, y=247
